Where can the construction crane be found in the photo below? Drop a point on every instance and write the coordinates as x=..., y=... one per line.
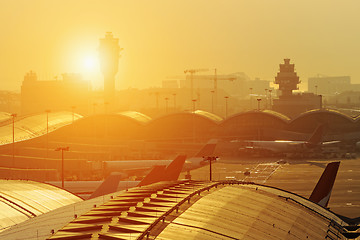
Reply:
x=214, y=92
x=192, y=71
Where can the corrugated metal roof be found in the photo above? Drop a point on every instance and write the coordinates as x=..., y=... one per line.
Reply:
x=140, y=117
x=205, y=210
x=209, y=115
x=22, y=200
x=34, y=126
x=325, y=111
x=250, y=212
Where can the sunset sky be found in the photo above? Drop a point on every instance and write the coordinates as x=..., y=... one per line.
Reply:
x=162, y=38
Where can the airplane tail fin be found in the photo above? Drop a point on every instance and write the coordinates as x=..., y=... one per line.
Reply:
x=163, y=173
x=322, y=191
x=110, y=185
x=208, y=149
x=157, y=174
x=154, y=176
x=317, y=136
x=173, y=170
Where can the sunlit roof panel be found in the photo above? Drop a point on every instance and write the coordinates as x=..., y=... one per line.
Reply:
x=21, y=200
x=140, y=117
x=35, y=125
x=248, y=212
x=209, y=115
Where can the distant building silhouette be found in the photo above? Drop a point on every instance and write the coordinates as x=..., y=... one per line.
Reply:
x=9, y=102
x=287, y=78
x=38, y=96
x=293, y=104
x=331, y=85
x=109, y=53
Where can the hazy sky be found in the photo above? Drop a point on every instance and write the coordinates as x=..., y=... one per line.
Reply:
x=163, y=38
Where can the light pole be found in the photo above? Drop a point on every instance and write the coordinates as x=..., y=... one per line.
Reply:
x=174, y=94
x=106, y=104
x=94, y=108
x=259, y=100
x=270, y=99
x=266, y=97
x=210, y=160
x=13, y=136
x=212, y=100
x=62, y=149
x=226, y=106
x=166, y=102
x=193, y=120
x=157, y=100
x=194, y=102
x=316, y=86
x=47, y=132
x=251, y=107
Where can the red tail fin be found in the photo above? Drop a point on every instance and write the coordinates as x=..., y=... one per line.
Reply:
x=110, y=185
x=208, y=149
x=154, y=176
x=173, y=170
x=322, y=190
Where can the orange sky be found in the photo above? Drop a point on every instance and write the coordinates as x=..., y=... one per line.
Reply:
x=164, y=37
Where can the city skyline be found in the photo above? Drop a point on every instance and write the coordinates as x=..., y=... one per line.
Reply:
x=162, y=38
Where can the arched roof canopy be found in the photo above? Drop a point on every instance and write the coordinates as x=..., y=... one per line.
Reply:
x=36, y=125
x=334, y=121
x=251, y=124
x=198, y=125
x=23, y=200
x=209, y=115
x=140, y=117
x=123, y=126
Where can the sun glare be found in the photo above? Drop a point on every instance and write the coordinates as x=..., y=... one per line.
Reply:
x=90, y=64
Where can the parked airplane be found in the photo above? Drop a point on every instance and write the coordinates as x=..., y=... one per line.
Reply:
x=286, y=146
x=138, y=167
x=158, y=173
x=113, y=183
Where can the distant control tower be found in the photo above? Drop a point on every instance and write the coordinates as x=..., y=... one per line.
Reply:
x=287, y=78
x=109, y=53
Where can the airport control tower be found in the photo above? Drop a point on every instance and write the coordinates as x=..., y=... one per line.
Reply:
x=287, y=78
x=288, y=103
x=109, y=53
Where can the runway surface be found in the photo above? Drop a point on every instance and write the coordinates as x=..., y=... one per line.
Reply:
x=298, y=176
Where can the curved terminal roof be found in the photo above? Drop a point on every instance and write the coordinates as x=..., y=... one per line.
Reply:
x=313, y=112
x=21, y=200
x=206, y=210
x=267, y=113
x=277, y=114
x=247, y=124
x=334, y=121
x=182, y=125
x=34, y=126
x=199, y=114
x=140, y=117
x=209, y=115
